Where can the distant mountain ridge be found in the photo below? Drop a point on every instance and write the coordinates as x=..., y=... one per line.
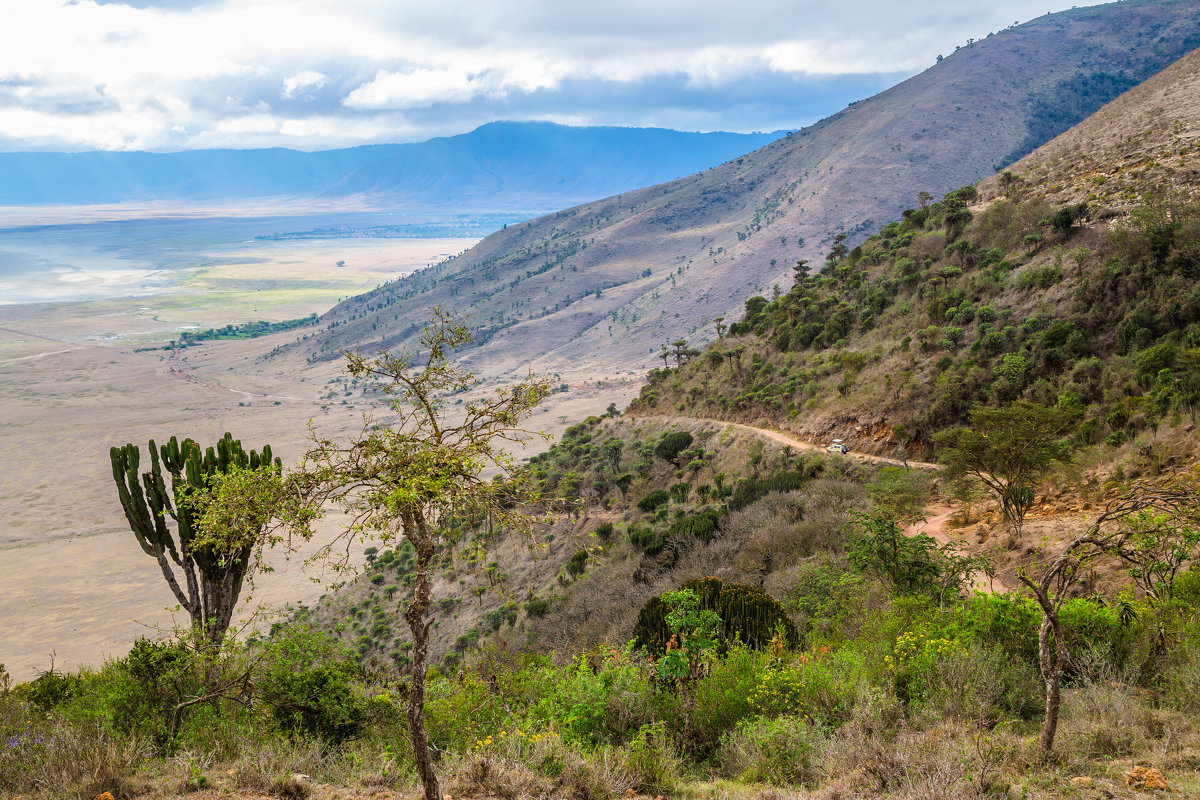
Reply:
x=499, y=166
x=539, y=161
x=608, y=282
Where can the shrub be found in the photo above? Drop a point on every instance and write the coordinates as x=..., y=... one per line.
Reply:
x=604, y=531
x=977, y=682
x=577, y=563
x=753, y=489
x=646, y=540
x=52, y=689
x=781, y=752
x=468, y=639
x=900, y=492
x=494, y=619
x=699, y=526
x=310, y=686
x=651, y=761
x=1042, y=277
x=680, y=492
x=537, y=606
x=1183, y=678
x=1005, y=621
x=723, y=696
x=672, y=444
x=653, y=500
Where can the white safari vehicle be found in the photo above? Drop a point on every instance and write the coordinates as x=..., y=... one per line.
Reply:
x=838, y=446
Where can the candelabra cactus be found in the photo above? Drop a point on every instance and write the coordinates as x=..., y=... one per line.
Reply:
x=212, y=574
x=747, y=614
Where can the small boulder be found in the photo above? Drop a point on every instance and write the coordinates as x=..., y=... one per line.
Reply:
x=1083, y=781
x=1146, y=778
x=103, y=796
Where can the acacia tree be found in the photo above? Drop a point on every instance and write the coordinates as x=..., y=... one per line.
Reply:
x=401, y=477
x=1008, y=450
x=1121, y=530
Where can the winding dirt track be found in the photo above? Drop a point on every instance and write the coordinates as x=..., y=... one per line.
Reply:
x=178, y=371
x=937, y=515
x=787, y=439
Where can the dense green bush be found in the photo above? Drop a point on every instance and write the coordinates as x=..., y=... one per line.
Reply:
x=653, y=500
x=577, y=563
x=672, y=444
x=647, y=540
x=311, y=686
x=698, y=526
x=537, y=606
x=784, y=751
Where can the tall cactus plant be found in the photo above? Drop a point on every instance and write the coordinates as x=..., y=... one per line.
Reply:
x=747, y=614
x=211, y=576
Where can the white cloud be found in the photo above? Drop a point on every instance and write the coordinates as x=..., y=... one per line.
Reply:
x=415, y=89
x=295, y=84
x=250, y=123
x=169, y=74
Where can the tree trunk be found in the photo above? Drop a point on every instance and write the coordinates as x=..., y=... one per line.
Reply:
x=415, y=614
x=689, y=706
x=1053, y=665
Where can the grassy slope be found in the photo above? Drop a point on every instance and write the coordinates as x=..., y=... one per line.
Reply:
x=889, y=695
x=573, y=287
x=484, y=588
x=918, y=323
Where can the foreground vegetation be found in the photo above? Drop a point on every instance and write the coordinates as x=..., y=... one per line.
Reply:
x=888, y=678
x=886, y=693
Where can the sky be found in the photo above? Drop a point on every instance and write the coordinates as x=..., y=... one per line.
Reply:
x=169, y=75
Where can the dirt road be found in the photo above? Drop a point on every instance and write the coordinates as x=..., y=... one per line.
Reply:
x=937, y=526
x=788, y=439
x=937, y=515
x=178, y=371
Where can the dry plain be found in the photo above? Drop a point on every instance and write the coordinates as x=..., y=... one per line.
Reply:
x=73, y=383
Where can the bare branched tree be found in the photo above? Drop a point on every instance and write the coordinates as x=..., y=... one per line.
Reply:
x=1114, y=532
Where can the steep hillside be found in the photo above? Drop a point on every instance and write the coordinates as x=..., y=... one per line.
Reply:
x=525, y=166
x=1070, y=279
x=1144, y=139
x=608, y=282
